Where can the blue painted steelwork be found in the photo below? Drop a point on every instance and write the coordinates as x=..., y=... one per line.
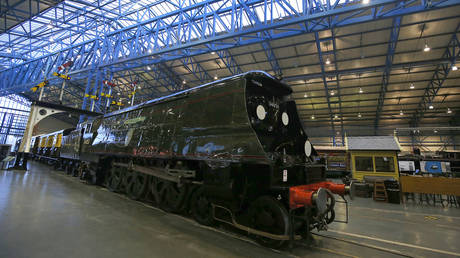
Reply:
x=451, y=53
x=325, y=82
x=394, y=35
x=339, y=94
x=229, y=61
x=120, y=36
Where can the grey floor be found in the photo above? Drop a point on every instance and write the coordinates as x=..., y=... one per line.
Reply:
x=44, y=213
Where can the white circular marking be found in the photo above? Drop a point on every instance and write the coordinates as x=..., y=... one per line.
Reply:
x=285, y=118
x=307, y=148
x=261, y=112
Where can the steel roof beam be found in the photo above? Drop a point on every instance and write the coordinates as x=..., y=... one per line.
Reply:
x=394, y=35
x=314, y=22
x=451, y=53
x=323, y=76
x=229, y=61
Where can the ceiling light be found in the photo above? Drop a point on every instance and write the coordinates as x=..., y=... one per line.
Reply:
x=401, y=113
x=454, y=67
x=305, y=95
x=213, y=53
x=359, y=115
x=8, y=50
x=313, y=117
x=336, y=116
x=328, y=61
x=449, y=111
x=431, y=106
x=118, y=93
x=366, y=1
x=150, y=51
x=215, y=77
x=148, y=68
x=426, y=48
x=332, y=93
x=435, y=131
x=361, y=90
x=412, y=86
x=184, y=82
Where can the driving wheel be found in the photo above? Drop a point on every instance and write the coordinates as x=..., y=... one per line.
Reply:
x=270, y=216
x=137, y=186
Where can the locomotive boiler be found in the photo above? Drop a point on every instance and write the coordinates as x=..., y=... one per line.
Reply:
x=231, y=151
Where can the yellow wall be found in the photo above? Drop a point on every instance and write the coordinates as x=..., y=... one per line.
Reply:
x=360, y=174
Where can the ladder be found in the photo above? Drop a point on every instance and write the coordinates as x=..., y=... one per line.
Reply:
x=380, y=193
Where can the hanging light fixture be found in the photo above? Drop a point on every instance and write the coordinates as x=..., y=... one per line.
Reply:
x=449, y=111
x=361, y=90
x=213, y=53
x=401, y=113
x=332, y=93
x=328, y=61
x=426, y=48
x=305, y=95
x=312, y=117
x=148, y=68
x=359, y=115
x=184, y=81
x=8, y=50
x=336, y=116
x=431, y=106
x=454, y=67
x=412, y=86
x=215, y=77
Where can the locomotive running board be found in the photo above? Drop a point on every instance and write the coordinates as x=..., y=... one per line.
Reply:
x=248, y=229
x=174, y=175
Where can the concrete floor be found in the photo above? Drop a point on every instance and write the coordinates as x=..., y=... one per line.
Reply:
x=48, y=214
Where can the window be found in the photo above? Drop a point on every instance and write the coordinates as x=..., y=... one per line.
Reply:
x=384, y=164
x=364, y=163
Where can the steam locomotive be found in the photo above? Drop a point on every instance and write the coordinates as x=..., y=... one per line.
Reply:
x=231, y=151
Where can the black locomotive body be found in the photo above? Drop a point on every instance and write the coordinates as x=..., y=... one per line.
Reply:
x=233, y=151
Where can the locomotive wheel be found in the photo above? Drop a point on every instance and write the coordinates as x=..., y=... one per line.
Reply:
x=137, y=186
x=201, y=208
x=269, y=215
x=75, y=170
x=157, y=188
x=115, y=179
x=68, y=168
x=173, y=197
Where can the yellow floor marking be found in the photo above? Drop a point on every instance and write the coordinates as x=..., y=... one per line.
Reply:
x=431, y=218
x=396, y=243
